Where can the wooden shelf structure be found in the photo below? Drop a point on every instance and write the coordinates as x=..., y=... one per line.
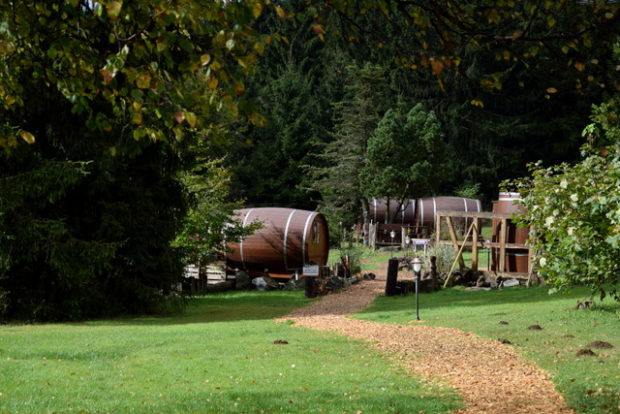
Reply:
x=473, y=225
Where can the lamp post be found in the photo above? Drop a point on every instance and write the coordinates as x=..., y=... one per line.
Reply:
x=417, y=267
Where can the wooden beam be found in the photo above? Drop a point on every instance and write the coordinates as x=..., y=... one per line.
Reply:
x=474, y=245
x=455, y=242
x=472, y=214
x=502, y=245
x=487, y=245
x=459, y=255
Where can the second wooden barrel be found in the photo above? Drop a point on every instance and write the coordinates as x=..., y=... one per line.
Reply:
x=428, y=207
x=516, y=260
x=288, y=240
x=398, y=213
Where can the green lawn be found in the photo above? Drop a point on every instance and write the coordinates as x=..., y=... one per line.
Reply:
x=218, y=357
x=589, y=383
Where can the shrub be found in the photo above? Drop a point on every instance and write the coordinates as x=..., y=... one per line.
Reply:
x=574, y=211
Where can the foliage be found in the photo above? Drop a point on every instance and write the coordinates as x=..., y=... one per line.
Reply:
x=295, y=84
x=575, y=213
x=404, y=156
x=437, y=38
x=445, y=255
x=103, y=104
x=468, y=190
x=209, y=222
x=511, y=81
x=336, y=176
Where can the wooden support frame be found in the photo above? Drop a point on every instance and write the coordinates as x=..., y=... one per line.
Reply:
x=477, y=243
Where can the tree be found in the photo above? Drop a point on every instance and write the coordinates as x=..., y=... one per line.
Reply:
x=295, y=85
x=405, y=156
x=575, y=211
x=336, y=176
x=511, y=82
x=101, y=104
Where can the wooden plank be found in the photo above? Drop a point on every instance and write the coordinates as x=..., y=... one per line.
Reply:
x=502, y=245
x=473, y=214
x=474, y=242
x=455, y=242
x=486, y=245
x=513, y=275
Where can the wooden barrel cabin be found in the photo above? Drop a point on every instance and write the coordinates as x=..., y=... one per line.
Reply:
x=428, y=207
x=517, y=260
x=403, y=214
x=288, y=240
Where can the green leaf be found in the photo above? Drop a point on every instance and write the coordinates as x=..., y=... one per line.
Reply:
x=27, y=136
x=114, y=8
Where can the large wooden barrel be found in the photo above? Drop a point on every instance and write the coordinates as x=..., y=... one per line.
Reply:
x=402, y=213
x=517, y=260
x=287, y=240
x=428, y=207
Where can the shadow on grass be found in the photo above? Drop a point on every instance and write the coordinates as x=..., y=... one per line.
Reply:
x=223, y=307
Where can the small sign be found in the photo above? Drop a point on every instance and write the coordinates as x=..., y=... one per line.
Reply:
x=311, y=270
x=192, y=271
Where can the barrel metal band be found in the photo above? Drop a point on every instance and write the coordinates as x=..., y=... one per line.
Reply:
x=303, y=242
x=466, y=220
x=421, y=212
x=374, y=200
x=245, y=220
x=285, y=241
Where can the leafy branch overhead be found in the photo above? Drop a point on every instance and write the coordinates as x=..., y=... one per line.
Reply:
x=129, y=63
x=438, y=37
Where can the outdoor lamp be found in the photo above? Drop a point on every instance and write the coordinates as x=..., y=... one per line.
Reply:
x=417, y=267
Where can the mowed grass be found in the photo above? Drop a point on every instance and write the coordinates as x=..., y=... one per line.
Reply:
x=590, y=384
x=218, y=357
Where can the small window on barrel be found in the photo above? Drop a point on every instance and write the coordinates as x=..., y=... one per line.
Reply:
x=316, y=232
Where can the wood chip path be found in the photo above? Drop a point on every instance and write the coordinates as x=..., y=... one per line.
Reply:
x=490, y=376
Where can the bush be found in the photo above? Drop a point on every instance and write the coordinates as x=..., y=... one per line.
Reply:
x=574, y=211
x=445, y=255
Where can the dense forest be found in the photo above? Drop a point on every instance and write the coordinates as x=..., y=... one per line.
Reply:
x=129, y=131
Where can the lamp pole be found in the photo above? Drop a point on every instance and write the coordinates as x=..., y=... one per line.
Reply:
x=417, y=267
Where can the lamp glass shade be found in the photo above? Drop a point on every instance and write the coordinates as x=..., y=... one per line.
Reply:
x=417, y=264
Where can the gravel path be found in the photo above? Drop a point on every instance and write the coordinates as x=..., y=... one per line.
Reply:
x=490, y=376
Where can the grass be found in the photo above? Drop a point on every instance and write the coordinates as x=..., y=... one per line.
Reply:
x=218, y=357
x=590, y=384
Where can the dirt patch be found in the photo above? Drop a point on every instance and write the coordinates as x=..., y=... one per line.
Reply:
x=490, y=376
x=600, y=344
x=535, y=328
x=586, y=352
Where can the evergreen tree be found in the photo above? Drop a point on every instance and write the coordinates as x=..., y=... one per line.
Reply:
x=337, y=178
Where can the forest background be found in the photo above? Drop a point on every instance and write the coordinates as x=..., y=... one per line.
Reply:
x=131, y=130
